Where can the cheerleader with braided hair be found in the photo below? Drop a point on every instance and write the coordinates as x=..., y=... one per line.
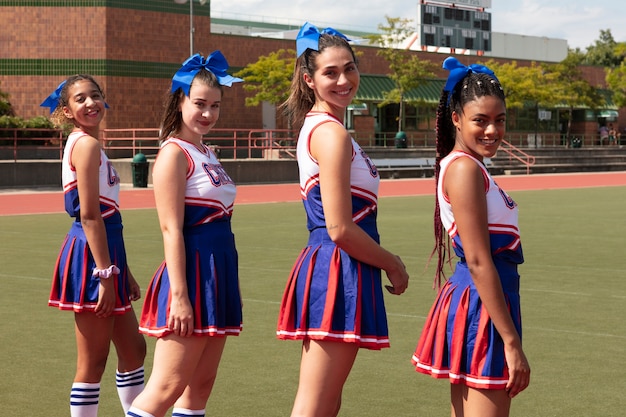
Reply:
x=472, y=335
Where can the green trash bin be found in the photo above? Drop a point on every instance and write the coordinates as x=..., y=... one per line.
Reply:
x=400, y=140
x=140, y=170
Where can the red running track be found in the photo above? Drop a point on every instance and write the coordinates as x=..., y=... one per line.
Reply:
x=39, y=202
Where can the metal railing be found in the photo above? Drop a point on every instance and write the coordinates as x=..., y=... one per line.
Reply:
x=30, y=143
x=517, y=154
x=228, y=143
x=20, y=144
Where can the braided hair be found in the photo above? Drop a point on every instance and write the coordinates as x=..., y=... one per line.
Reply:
x=471, y=87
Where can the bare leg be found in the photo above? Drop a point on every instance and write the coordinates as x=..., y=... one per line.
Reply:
x=470, y=402
x=93, y=340
x=324, y=368
x=199, y=389
x=175, y=361
x=130, y=345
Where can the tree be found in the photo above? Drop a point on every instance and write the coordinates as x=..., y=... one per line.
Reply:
x=406, y=70
x=570, y=88
x=5, y=105
x=269, y=77
x=616, y=76
x=523, y=86
x=603, y=51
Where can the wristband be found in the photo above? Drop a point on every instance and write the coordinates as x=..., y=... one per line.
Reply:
x=105, y=273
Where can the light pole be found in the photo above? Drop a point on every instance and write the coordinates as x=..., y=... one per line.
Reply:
x=191, y=28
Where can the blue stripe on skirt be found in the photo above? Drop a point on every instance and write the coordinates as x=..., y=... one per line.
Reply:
x=459, y=341
x=332, y=296
x=73, y=287
x=212, y=284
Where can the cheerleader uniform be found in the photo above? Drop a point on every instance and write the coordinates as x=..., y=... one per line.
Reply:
x=211, y=257
x=329, y=295
x=459, y=340
x=73, y=286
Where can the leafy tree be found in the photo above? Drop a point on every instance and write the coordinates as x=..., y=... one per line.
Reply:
x=269, y=77
x=569, y=86
x=603, y=52
x=616, y=76
x=406, y=70
x=526, y=86
x=5, y=105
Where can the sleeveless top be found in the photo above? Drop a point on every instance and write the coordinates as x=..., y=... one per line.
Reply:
x=210, y=192
x=364, y=177
x=502, y=214
x=109, y=183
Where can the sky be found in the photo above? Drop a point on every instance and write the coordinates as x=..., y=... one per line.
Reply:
x=577, y=21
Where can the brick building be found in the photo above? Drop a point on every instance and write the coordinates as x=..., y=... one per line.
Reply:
x=133, y=47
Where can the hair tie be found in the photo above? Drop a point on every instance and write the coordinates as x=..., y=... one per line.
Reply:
x=458, y=71
x=53, y=99
x=309, y=38
x=215, y=63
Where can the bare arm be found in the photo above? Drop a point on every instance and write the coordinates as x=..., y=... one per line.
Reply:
x=169, y=178
x=86, y=161
x=331, y=146
x=464, y=185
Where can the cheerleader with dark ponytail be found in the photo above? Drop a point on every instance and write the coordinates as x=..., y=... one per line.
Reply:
x=472, y=335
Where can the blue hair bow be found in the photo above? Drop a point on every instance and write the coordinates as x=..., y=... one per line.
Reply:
x=52, y=100
x=215, y=63
x=458, y=71
x=309, y=37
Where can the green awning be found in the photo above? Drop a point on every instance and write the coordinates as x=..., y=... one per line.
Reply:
x=372, y=87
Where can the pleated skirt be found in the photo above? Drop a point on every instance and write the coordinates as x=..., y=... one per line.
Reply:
x=459, y=340
x=212, y=284
x=332, y=297
x=73, y=287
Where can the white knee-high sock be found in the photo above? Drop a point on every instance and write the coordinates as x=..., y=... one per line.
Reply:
x=184, y=412
x=135, y=412
x=129, y=386
x=84, y=399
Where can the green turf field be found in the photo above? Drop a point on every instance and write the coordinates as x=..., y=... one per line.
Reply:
x=573, y=304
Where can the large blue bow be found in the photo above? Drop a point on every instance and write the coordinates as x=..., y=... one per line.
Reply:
x=309, y=37
x=458, y=71
x=215, y=63
x=52, y=100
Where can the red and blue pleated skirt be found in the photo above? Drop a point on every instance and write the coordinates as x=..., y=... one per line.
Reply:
x=331, y=296
x=459, y=341
x=73, y=287
x=212, y=285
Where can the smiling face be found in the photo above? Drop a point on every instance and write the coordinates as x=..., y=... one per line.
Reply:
x=85, y=105
x=335, y=80
x=480, y=127
x=200, y=111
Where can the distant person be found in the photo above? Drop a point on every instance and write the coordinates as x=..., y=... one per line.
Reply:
x=91, y=276
x=472, y=335
x=604, y=134
x=333, y=300
x=193, y=301
x=612, y=135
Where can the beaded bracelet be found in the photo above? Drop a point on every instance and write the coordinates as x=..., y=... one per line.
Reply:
x=105, y=273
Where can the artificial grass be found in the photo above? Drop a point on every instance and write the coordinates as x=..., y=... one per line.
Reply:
x=573, y=305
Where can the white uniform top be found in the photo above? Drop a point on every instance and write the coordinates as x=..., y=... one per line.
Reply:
x=109, y=181
x=502, y=211
x=210, y=192
x=364, y=178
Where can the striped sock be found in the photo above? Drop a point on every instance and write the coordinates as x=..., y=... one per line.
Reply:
x=183, y=412
x=135, y=412
x=129, y=386
x=84, y=399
